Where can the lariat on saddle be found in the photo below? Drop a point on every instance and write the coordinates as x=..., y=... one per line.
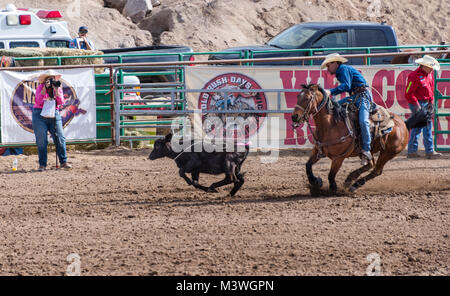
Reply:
x=381, y=122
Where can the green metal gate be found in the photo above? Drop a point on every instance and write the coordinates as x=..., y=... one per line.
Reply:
x=441, y=97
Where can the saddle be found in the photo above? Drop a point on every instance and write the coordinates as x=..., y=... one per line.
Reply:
x=381, y=123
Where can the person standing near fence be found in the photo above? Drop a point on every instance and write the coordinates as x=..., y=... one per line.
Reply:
x=49, y=89
x=420, y=94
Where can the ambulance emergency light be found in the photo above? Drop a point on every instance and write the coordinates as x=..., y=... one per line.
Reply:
x=12, y=20
x=25, y=19
x=49, y=14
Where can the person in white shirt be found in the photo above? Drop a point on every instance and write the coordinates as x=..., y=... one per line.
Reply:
x=82, y=42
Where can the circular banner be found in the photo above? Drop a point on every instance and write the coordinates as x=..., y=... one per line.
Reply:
x=23, y=99
x=240, y=123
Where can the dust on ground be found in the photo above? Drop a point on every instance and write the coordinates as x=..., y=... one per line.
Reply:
x=126, y=215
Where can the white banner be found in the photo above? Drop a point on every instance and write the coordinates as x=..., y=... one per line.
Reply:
x=274, y=130
x=18, y=96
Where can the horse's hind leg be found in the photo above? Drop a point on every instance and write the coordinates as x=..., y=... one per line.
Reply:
x=384, y=157
x=316, y=182
x=356, y=173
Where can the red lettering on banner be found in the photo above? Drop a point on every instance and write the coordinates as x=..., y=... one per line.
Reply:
x=329, y=82
x=314, y=76
x=440, y=137
x=290, y=139
x=377, y=88
x=286, y=79
x=444, y=89
x=291, y=101
x=400, y=87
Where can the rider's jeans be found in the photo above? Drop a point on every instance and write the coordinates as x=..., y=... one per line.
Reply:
x=364, y=103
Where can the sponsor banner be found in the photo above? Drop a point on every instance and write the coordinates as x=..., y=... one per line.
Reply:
x=274, y=130
x=18, y=97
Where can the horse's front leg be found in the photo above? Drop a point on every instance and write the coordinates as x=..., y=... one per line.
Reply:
x=335, y=166
x=313, y=180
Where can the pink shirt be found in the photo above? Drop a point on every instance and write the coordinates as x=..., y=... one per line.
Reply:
x=39, y=98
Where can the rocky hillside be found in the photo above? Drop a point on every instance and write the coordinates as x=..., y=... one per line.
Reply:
x=210, y=25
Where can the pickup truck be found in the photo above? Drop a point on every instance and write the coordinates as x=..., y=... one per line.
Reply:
x=318, y=35
x=148, y=54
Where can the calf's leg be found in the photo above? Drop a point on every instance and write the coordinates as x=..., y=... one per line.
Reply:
x=195, y=176
x=182, y=173
x=238, y=184
x=224, y=182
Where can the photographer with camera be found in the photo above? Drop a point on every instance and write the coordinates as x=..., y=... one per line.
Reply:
x=49, y=88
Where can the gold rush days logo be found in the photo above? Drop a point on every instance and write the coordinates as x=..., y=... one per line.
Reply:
x=240, y=123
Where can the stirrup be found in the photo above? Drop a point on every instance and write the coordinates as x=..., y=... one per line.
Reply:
x=366, y=157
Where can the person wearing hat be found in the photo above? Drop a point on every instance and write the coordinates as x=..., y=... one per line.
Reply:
x=82, y=42
x=47, y=90
x=419, y=93
x=352, y=82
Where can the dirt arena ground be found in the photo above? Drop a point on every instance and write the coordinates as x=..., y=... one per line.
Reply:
x=126, y=215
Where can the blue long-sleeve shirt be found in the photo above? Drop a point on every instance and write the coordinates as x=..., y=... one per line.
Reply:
x=349, y=77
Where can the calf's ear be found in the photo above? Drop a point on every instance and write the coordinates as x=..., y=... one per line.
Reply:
x=168, y=137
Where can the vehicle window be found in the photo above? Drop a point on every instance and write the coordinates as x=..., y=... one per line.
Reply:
x=15, y=44
x=58, y=43
x=2, y=45
x=292, y=38
x=367, y=38
x=332, y=39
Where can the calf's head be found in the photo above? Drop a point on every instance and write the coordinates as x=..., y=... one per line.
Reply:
x=161, y=148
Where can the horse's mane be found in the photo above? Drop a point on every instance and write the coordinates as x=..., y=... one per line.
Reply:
x=339, y=113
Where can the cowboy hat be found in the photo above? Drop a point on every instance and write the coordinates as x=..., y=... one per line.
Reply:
x=428, y=61
x=332, y=57
x=48, y=73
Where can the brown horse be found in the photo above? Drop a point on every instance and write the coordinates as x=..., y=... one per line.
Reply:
x=335, y=138
x=408, y=59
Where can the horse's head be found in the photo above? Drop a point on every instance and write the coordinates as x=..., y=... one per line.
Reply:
x=308, y=101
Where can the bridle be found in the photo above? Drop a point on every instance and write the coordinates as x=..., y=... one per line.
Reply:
x=305, y=118
x=307, y=111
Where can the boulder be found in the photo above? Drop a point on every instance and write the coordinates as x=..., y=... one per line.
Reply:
x=137, y=10
x=117, y=4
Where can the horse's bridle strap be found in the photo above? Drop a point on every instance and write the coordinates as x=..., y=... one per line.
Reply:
x=300, y=107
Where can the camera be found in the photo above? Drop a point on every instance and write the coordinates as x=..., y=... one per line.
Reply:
x=55, y=83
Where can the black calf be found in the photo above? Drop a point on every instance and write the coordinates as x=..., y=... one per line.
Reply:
x=228, y=163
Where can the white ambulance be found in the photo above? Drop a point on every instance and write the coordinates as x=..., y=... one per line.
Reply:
x=22, y=27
